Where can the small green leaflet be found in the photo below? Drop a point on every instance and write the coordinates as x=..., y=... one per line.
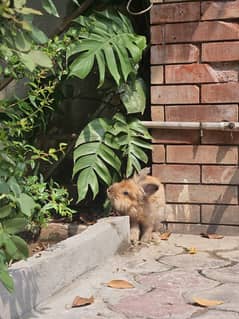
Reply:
x=50, y=7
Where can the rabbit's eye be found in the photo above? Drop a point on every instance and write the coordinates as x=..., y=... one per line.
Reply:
x=126, y=193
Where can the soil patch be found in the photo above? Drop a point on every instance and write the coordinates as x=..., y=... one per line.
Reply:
x=52, y=234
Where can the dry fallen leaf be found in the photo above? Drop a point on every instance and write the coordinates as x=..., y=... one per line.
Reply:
x=81, y=301
x=165, y=236
x=192, y=250
x=212, y=236
x=120, y=284
x=206, y=302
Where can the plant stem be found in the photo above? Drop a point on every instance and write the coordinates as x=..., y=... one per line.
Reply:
x=67, y=21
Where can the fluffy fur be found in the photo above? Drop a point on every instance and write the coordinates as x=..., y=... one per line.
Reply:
x=142, y=198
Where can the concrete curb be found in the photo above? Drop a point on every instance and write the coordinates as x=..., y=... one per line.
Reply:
x=38, y=278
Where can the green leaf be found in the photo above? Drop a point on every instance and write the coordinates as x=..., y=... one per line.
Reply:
x=4, y=188
x=139, y=129
x=38, y=35
x=101, y=66
x=27, y=11
x=111, y=63
x=19, y=3
x=26, y=59
x=133, y=96
x=94, y=131
x=22, y=248
x=10, y=248
x=5, y=211
x=50, y=7
x=27, y=204
x=109, y=156
x=85, y=149
x=132, y=164
x=14, y=225
x=22, y=42
x=141, y=143
x=126, y=66
x=93, y=155
x=87, y=179
x=82, y=66
x=107, y=38
x=6, y=280
x=34, y=58
x=139, y=153
x=84, y=162
x=102, y=171
x=14, y=186
x=131, y=136
x=40, y=58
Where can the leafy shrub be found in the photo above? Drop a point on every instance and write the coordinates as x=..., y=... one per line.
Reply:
x=112, y=145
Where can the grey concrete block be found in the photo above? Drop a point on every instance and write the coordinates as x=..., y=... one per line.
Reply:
x=38, y=278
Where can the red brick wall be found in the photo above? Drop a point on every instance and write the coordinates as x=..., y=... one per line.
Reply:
x=194, y=77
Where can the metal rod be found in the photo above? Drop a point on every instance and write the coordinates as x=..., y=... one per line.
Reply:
x=222, y=126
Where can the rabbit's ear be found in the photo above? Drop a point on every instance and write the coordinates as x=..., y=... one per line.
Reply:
x=141, y=175
x=150, y=188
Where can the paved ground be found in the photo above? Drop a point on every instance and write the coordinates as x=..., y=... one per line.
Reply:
x=166, y=279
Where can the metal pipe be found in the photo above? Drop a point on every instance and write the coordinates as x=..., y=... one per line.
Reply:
x=222, y=126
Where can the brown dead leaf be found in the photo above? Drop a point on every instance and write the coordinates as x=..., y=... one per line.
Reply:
x=212, y=236
x=120, y=284
x=206, y=302
x=192, y=250
x=81, y=301
x=165, y=236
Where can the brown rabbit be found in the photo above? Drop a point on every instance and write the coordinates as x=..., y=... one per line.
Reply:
x=142, y=198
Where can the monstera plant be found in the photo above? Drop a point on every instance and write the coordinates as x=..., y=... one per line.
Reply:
x=115, y=146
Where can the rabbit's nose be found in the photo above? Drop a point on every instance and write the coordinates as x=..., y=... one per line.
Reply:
x=109, y=190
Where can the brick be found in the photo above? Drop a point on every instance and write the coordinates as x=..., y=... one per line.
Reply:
x=175, y=94
x=195, y=32
x=220, y=51
x=157, y=113
x=198, y=73
x=174, y=53
x=183, y=213
x=156, y=74
x=220, y=214
x=201, y=113
x=158, y=154
x=203, y=154
x=201, y=194
x=166, y=136
x=220, y=175
x=177, y=173
x=166, y=13
x=157, y=34
x=176, y=0
x=220, y=137
x=197, y=229
x=220, y=93
x=215, y=10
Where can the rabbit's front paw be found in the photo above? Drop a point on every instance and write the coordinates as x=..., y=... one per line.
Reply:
x=134, y=235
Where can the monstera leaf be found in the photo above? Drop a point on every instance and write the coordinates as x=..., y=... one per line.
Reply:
x=92, y=156
x=133, y=138
x=133, y=96
x=103, y=146
x=107, y=39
